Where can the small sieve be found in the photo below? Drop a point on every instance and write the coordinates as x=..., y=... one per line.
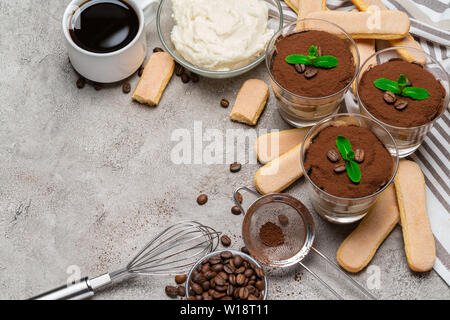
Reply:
x=298, y=234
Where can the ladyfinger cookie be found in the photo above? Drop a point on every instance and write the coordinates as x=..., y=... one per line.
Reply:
x=384, y=24
x=279, y=173
x=250, y=102
x=417, y=235
x=360, y=246
x=293, y=4
x=154, y=79
x=408, y=41
x=272, y=145
x=366, y=48
x=307, y=6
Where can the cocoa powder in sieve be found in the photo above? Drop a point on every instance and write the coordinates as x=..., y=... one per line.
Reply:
x=271, y=235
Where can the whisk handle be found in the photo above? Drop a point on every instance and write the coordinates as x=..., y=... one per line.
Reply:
x=82, y=289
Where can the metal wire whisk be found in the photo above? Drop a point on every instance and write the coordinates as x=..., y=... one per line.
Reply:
x=173, y=251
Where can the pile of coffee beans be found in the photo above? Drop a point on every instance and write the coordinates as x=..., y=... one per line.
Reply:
x=227, y=277
x=180, y=290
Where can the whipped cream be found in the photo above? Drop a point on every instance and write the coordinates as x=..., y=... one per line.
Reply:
x=220, y=35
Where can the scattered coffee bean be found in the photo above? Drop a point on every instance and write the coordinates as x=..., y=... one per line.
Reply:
x=245, y=250
x=185, y=78
x=389, y=97
x=80, y=83
x=195, y=77
x=181, y=278
x=158, y=50
x=310, y=72
x=172, y=291
x=235, y=210
x=300, y=68
x=235, y=167
x=283, y=220
x=332, y=155
x=181, y=290
x=126, y=87
x=179, y=70
x=226, y=241
x=224, y=103
x=202, y=199
x=401, y=104
x=339, y=168
x=239, y=197
x=98, y=86
x=359, y=155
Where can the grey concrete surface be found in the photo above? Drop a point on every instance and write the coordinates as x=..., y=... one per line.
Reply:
x=86, y=176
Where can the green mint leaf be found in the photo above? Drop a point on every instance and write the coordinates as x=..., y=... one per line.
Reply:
x=298, y=59
x=353, y=171
x=344, y=147
x=387, y=85
x=402, y=81
x=350, y=155
x=415, y=93
x=325, y=62
x=312, y=51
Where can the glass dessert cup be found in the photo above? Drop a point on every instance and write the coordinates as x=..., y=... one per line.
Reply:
x=346, y=210
x=408, y=139
x=301, y=111
x=165, y=24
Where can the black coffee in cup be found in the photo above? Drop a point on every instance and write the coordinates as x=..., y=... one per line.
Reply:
x=103, y=26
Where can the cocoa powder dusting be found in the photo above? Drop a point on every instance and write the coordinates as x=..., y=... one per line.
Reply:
x=327, y=81
x=418, y=112
x=376, y=169
x=271, y=234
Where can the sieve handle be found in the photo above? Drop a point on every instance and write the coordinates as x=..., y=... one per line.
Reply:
x=256, y=194
x=334, y=265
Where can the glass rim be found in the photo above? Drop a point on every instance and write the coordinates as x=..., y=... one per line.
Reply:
x=276, y=36
x=354, y=115
x=360, y=102
x=206, y=72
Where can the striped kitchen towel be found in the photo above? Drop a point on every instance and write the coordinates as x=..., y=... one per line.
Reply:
x=430, y=26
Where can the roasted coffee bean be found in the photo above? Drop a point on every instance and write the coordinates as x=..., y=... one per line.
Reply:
x=240, y=270
x=157, y=49
x=198, y=297
x=218, y=295
x=205, y=295
x=199, y=278
x=283, y=220
x=235, y=210
x=251, y=289
x=235, y=167
x=239, y=197
x=181, y=278
x=230, y=290
x=252, y=297
x=339, y=168
x=228, y=269
x=221, y=288
x=226, y=241
x=224, y=275
x=179, y=70
x=245, y=250
x=215, y=260
x=195, y=77
x=226, y=255
x=218, y=280
x=252, y=281
x=237, y=260
x=389, y=97
x=197, y=288
x=259, y=272
x=401, y=104
x=172, y=291
x=206, y=285
x=332, y=155
x=192, y=297
x=359, y=155
x=243, y=293
x=300, y=68
x=181, y=291
x=205, y=267
x=232, y=279
x=260, y=285
x=240, y=279
x=80, y=83
x=210, y=274
x=217, y=267
x=202, y=199
x=140, y=71
x=126, y=87
x=310, y=72
x=248, y=273
x=185, y=78
x=224, y=103
x=98, y=86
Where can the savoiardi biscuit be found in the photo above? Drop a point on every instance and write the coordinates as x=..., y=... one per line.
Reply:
x=417, y=235
x=271, y=145
x=358, y=249
x=279, y=173
x=154, y=79
x=384, y=24
x=250, y=102
x=293, y=4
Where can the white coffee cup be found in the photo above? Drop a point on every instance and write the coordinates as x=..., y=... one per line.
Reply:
x=112, y=66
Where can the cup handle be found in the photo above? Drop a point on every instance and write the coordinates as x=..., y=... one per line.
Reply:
x=150, y=8
x=256, y=194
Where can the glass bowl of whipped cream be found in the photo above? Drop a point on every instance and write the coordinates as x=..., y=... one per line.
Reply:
x=218, y=38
